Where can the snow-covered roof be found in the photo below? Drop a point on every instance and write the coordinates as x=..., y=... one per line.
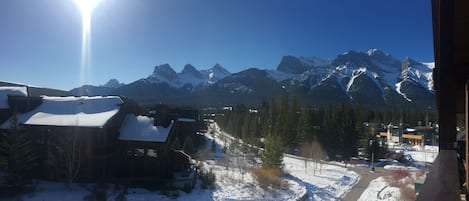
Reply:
x=5, y=91
x=141, y=128
x=71, y=111
x=189, y=120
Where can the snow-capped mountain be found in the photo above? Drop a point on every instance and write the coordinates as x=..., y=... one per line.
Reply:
x=372, y=78
x=215, y=73
x=163, y=73
x=368, y=78
x=188, y=76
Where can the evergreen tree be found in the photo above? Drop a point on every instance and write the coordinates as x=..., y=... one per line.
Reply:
x=188, y=146
x=304, y=127
x=292, y=125
x=272, y=157
x=17, y=156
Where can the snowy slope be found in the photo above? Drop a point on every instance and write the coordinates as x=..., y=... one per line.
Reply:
x=215, y=73
x=419, y=72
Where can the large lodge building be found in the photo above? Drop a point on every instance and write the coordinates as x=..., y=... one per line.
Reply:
x=114, y=141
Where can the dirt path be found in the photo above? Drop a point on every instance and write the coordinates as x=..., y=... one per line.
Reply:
x=365, y=178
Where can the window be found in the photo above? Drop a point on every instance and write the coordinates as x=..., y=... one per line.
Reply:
x=152, y=153
x=139, y=152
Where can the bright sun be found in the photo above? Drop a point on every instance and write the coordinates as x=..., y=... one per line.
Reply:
x=86, y=7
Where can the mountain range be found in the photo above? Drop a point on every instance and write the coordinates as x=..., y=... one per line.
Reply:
x=372, y=79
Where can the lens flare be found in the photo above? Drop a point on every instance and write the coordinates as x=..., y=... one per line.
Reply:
x=86, y=7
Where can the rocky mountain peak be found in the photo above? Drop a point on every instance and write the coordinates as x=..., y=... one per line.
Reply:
x=352, y=57
x=291, y=64
x=164, y=71
x=220, y=69
x=191, y=70
x=113, y=83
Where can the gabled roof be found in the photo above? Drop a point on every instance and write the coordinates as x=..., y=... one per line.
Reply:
x=5, y=91
x=71, y=111
x=141, y=128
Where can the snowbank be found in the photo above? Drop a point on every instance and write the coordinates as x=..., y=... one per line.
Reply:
x=379, y=189
x=5, y=91
x=141, y=128
x=427, y=154
x=399, y=186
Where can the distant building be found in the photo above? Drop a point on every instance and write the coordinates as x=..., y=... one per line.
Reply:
x=414, y=136
x=115, y=144
x=5, y=92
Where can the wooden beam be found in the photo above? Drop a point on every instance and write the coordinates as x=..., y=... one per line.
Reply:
x=467, y=138
x=446, y=74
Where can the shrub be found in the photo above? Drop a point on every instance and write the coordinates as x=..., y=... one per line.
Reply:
x=268, y=177
x=208, y=179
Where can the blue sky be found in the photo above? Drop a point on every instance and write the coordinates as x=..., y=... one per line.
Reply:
x=41, y=39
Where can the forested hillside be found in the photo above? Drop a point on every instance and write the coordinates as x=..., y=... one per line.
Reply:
x=338, y=129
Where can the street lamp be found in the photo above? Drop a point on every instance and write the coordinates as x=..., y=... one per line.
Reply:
x=372, y=155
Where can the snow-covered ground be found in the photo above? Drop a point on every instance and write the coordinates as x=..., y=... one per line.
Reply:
x=234, y=180
x=396, y=187
x=379, y=189
x=321, y=181
x=56, y=191
x=426, y=154
x=329, y=182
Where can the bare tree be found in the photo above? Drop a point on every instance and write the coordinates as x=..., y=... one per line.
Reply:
x=306, y=151
x=312, y=151
x=318, y=154
x=66, y=156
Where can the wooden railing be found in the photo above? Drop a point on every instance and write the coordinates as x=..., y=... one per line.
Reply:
x=442, y=182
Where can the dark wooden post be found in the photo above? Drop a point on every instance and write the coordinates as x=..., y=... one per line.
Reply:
x=446, y=77
x=467, y=132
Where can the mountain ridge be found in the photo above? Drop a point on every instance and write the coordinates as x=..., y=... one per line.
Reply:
x=372, y=78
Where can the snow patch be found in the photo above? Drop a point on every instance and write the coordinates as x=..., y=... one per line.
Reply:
x=379, y=189
x=6, y=91
x=398, y=90
x=355, y=74
x=141, y=128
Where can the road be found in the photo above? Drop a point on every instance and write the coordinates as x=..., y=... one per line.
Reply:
x=365, y=178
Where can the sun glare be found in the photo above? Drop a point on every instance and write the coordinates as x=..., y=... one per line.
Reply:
x=86, y=7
